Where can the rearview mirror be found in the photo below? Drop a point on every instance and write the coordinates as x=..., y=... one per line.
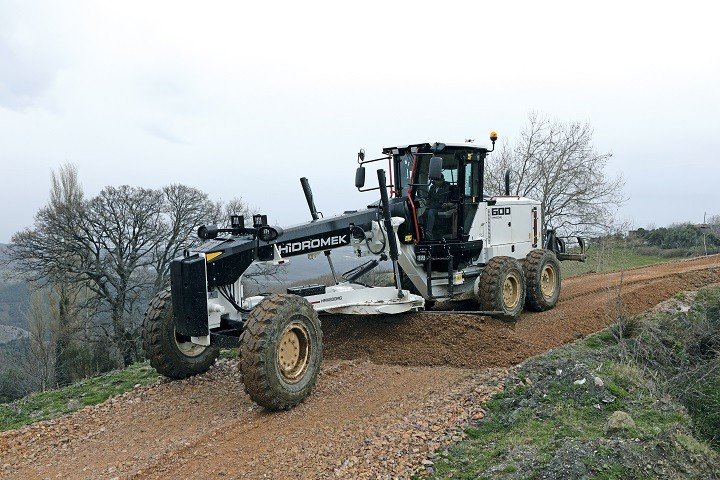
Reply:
x=360, y=177
x=435, y=171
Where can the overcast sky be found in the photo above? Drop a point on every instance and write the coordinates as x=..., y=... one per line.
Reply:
x=243, y=98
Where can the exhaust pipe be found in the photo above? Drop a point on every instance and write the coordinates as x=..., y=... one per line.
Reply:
x=309, y=197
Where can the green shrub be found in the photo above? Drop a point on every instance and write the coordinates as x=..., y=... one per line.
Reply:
x=680, y=351
x=703, y=405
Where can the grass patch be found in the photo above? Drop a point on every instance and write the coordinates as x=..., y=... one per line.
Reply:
x=704, y=407
x=92, y=391
x=611, y=259
x=600, y=339
x=229, y=353
x=54, y=403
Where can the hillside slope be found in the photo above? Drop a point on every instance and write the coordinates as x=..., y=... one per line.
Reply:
x=598, y=409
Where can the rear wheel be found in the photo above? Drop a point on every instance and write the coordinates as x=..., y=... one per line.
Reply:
x=542, y=275
x=281, y=351
x=501, y=286
x=169, y=352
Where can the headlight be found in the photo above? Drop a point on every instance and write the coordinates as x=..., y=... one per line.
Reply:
x=267, y=234
x=207, y=232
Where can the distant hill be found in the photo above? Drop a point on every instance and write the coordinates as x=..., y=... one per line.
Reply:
x=14, y=297
x=10, y=334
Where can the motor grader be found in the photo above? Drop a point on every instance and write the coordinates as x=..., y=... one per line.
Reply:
x=444, y=238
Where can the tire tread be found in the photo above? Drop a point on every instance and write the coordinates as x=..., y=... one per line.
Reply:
x=491, y=280
x=534, y=299
x=254, y=350
x=154, y=326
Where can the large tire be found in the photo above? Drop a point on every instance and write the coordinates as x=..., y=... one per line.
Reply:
x=542, y=276
x=170, y=353
x=281, y=351
x=501, y=287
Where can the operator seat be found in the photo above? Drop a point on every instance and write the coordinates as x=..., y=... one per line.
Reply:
x=450, y=216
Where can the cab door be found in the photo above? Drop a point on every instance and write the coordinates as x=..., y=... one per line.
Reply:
x=471, y=195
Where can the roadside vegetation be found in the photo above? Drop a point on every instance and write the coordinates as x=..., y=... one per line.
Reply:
x=54, y=403
x=638, y=400
x=610, y=256
x=91, y=391
x=650, y=246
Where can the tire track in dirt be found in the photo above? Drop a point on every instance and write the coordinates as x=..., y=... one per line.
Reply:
x=392, y=390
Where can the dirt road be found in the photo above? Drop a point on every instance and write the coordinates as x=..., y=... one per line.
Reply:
x=392, y=391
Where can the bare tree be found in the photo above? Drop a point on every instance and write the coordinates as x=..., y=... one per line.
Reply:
x=714, y=222
x=39, y=363
x=65, y=302
x=116, y=247
x=40, y=253
x=184, y=209
x=121, y=229
x=54, y=287
x=557, y=164
x=235, y=206
x=106, y=244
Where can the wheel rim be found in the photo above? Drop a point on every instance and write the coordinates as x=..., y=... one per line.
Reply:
x=186, y=347
x=548, y=281
x=293, y=352
x=511, y=291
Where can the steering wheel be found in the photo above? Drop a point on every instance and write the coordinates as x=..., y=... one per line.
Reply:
x=422, y=192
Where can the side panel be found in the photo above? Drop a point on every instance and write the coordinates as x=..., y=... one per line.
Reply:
x=500, y=221
x=189, y=295
x=522, y=228
x=513, y=227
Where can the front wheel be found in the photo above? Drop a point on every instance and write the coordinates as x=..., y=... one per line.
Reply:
x=169, y=352
x=281, y=351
